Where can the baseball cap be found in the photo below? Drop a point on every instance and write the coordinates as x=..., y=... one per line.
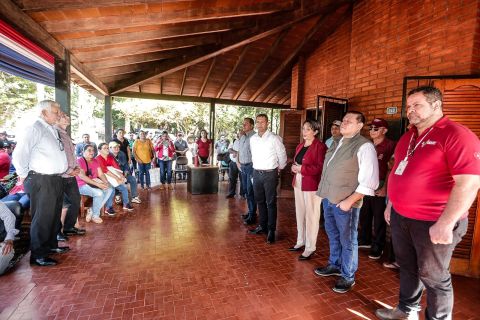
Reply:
x=112, y=144
x=379, y=122
x=337, y=123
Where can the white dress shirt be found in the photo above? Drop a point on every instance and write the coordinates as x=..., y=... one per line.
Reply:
x=268, y=151
x=368, y=168
x=8, y=221
x=40, y=150
x=234, y=146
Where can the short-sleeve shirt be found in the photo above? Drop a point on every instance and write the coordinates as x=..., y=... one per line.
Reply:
x=245, y=154
x=92, y=166
x=421, y=192
x=180, y=145
x=124, y=146
x=109, y=162
x=204, y=148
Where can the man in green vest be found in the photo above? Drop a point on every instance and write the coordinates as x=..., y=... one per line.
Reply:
x=350, y=172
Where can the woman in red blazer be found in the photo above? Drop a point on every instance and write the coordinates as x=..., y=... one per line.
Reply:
x=165, y=154
x=307, y=167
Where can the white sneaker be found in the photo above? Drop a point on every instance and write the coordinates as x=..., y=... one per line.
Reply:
x=88, y=218
x=97, y=220
x=136, y=200
x=118, y=199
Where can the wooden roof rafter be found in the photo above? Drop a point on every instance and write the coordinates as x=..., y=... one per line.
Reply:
x=277, y=90
x=227, y=80
x=160, y=72
x=207, y=76
x=183, y=80
x=272, y=49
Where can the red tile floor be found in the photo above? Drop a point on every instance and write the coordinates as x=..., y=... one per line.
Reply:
x=179, y=256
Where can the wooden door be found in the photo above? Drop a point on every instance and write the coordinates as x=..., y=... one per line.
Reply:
x=461, y=103
x=331, y=111
x=291, y=133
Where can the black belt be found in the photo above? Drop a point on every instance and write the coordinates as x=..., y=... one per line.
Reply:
x=266, y=171
x=45, y=174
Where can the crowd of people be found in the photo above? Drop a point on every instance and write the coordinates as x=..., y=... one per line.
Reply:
x=363, y=186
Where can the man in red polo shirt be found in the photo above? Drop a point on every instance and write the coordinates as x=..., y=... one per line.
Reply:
x=432, y=185
x=374, y=206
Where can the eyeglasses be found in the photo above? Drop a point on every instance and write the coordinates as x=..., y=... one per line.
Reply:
x=60, y=144
x=374, y=129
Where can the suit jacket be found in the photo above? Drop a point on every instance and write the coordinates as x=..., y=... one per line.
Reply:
x=312, y=165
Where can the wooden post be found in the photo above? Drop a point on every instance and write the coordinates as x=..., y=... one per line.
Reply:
x=108, y=118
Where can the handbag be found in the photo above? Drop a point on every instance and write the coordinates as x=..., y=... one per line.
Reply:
x=154, y=177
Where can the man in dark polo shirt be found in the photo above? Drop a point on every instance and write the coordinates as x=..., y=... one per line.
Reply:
x=433, y=183
x=374, y=206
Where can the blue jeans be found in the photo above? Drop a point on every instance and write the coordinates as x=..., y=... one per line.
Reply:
x=123, y=191
x=247, y=177
x=99, y=196
x=20, y=197
x=165, y=171
x=143, y=171
x=341, y=227
x=133, y=185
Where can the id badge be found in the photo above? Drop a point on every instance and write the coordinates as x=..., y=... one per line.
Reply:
x=401, y=167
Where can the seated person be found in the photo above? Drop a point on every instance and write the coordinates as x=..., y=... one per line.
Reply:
x=105, y=160
x=121, y=159
x=93, y=183
x=17, y=194
x=5, y=159
x=7, y=235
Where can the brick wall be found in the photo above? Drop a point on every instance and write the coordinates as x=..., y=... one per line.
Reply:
x=367, y=57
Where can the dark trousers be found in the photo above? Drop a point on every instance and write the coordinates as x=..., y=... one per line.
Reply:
x=373, y=209
x=232, y=178
x=72, y=197
x=265, y=190
x=424, y=264
x=247, y=176
x=46, y=199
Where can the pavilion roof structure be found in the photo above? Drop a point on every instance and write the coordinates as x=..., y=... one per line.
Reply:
x=239, y=51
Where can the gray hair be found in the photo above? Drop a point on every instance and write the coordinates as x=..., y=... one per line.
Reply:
x=46, y=105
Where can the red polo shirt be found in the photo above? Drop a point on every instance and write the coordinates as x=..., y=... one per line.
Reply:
x=109, y=162
x=422, y=191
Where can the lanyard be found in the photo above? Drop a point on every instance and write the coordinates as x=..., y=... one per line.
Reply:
x=410, y=152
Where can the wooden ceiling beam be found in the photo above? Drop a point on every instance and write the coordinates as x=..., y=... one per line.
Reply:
x=46, y=5
x=131, y=68
x=290, y=57
x=185, y=14
x=146, y=47
x=168, y=69
x=284, y=98
x=272, y=49
x=178, y=30
x=183, y=80
x=227, y=80
x=129, y=94
x=205, y=80
x=28, y=27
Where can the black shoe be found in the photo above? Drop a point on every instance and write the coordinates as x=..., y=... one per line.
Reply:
x=43, y=262
x=249, y=221
x=257, y=230
x=75, y=232
x=271, y=237
x=295, y=249
x=327, y=271
x=61, y=237
x=364, y=245
x=230, y=196
x=302, y=257
x=60, y=250
x=375, y=254
x=342, y=285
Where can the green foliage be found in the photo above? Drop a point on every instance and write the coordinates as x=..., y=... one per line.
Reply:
x=17, y=95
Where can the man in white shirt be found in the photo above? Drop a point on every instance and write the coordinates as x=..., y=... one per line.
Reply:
x=268, y=158
x=40, y=161
x=350, y=172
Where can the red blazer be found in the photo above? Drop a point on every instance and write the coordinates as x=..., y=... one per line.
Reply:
x=159, y=149
x=312, y=165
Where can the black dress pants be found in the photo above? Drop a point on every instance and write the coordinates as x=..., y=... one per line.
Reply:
x=372, y=210
x=232, y=177
x=424, y=265
x=72, y=197
x=46, y=196
x=265, y=191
